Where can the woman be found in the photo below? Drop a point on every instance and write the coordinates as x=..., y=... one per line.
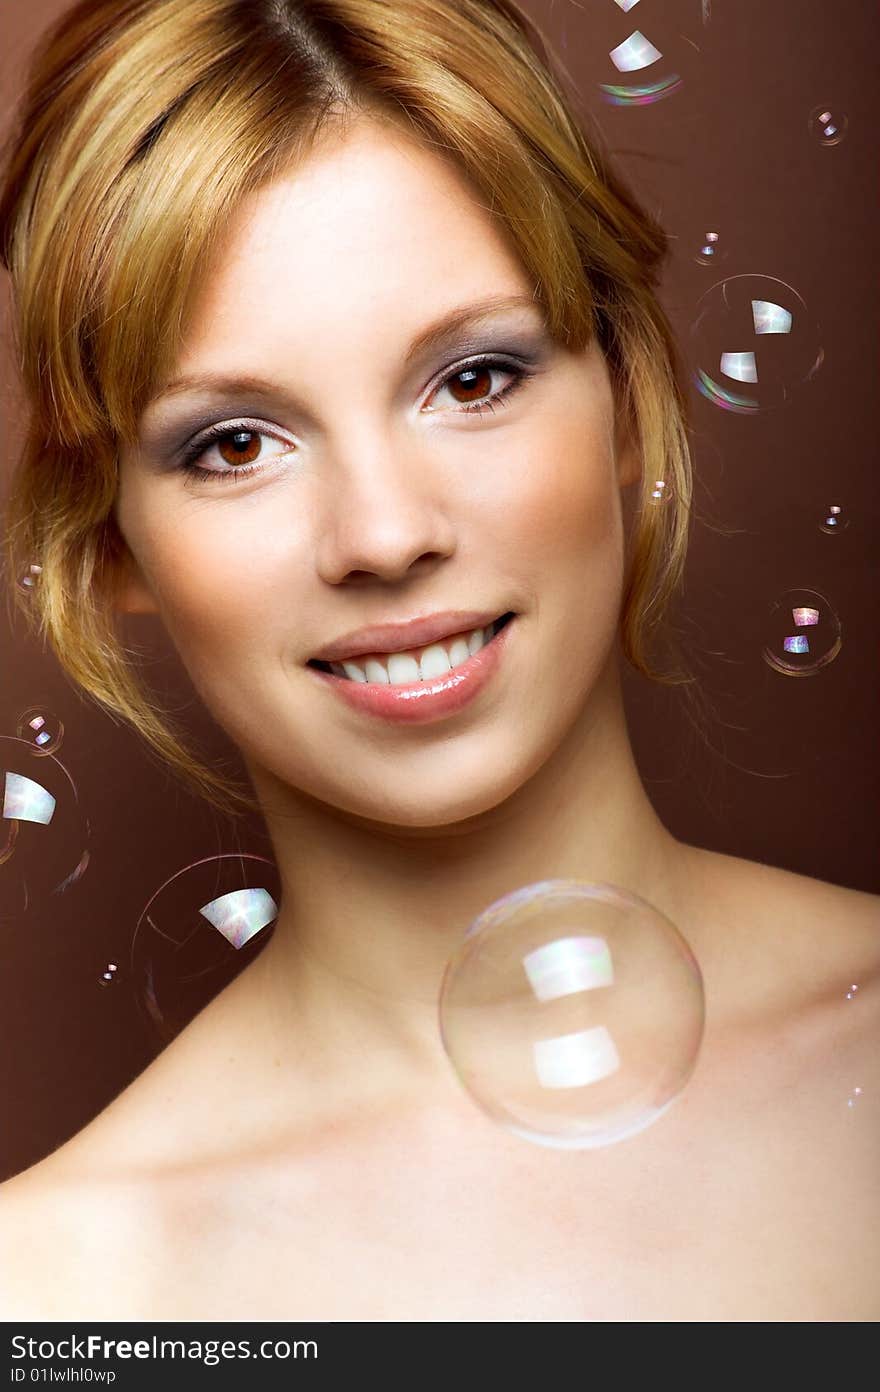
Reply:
x=343, y=345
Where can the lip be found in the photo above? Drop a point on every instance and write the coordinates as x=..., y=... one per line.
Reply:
x=399, y=637
x=417, y=703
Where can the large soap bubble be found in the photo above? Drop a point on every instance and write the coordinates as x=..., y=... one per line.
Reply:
x=572, y=1013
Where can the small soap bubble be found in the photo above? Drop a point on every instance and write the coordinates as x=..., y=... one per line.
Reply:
x=834, y=521
x=854, y=1097
x=572, y=1013
x=827, y=126
x=851, y=993
x=803, y=633
x=710, y=249
x=108, y=976
x=41, y=728
x=27, y=583
x=660, y=492
x=753, y=344
x=198, y=930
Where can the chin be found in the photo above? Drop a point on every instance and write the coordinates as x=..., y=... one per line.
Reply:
x=428, y=804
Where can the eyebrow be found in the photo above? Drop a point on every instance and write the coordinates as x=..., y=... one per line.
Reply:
x=218, y=383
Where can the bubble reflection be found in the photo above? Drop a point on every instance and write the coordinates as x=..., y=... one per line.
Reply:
x=834, y=521
x=753, y=343
x=108, y=975
x=710, y=249
x=197, y=931
x=638, y=52
x=43, y=729
x=827, y=127
x=803, y=633
x=572, y=1013
x=28, y=582
x=44, y=832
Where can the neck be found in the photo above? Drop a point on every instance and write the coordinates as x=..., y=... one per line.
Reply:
x=371, y=913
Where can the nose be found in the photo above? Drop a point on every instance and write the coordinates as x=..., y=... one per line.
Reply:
x=387, y=507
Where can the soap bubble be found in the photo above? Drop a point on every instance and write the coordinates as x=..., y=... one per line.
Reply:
x=27, y=582
x=803, y=634
x=710, y=249
x=41, y=728
x=660, y=492
x=635, y=53
x=572, y=1013
x=754, y=342
x=44, y=831
x=198, y=930
x=834, y=521
x=827, y=127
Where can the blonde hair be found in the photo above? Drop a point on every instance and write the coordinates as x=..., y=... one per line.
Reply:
x=143, y=125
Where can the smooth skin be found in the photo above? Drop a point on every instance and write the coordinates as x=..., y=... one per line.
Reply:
x=303, y=1148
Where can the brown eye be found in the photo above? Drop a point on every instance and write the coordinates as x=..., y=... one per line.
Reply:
x=476, y=382
x=470, y=388
x=239, y=446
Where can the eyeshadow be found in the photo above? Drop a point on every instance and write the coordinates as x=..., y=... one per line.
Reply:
x=239, y=396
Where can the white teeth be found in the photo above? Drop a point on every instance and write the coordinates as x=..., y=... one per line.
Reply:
x=434, y=662
x=376, y=672
x=353, y=671
x=400, y=669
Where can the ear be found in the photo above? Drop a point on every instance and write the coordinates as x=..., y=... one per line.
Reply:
x=131, y=592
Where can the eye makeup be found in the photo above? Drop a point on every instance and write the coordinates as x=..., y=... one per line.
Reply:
x=483, y=405
x=170, y=442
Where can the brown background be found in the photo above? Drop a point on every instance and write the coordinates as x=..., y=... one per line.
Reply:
x=792, y=776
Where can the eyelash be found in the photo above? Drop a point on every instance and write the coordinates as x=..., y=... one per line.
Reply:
x=188, y=465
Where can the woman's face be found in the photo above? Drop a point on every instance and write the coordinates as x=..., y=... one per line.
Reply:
x=375, y=494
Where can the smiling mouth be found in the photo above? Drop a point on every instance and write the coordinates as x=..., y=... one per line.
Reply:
x=334, y=669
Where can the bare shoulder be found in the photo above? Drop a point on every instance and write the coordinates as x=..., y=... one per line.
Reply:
x=97, y=1199
x=64, y=1241
x=827, y=919
x=798, y=948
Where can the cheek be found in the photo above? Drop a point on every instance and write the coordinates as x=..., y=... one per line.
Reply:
x=562, y=500
x=220, y=585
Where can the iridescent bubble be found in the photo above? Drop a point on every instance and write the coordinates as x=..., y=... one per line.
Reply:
x=636, y=52
x=854, y=1096
x=710, y=249
x=108, y=975
x=753, y=344
x=851, y=993
x=803, y=633
x=660, y=493
x=40, y=728
x=28, y=581
x=44, y=832
x=633, y=55
x=198, y=930
x=834, y=521
x=827, y=126
x=572, y=1013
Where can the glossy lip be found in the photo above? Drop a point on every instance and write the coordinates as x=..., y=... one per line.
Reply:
x=401, y=637
x=417, y=703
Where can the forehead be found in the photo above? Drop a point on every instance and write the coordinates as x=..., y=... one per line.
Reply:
x=372, y=223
